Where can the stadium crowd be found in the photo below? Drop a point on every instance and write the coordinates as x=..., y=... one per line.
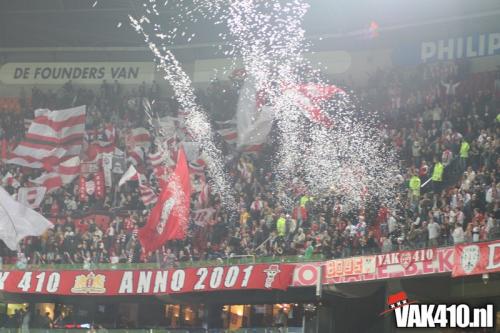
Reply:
x=441, y=119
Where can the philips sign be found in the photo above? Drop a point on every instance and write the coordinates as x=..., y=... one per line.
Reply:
x=464, y=47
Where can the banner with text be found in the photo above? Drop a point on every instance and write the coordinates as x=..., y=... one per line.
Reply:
x=376, y=267
x=461, y=47
x=77, y=72
x=148, y=282
x=473, y=259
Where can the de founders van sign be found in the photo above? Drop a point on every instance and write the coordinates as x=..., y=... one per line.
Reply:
x=78, y=72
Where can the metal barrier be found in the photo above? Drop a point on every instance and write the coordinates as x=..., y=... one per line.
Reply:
x=235, y=260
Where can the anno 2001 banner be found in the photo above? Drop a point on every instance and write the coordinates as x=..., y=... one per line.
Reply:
x=148, y=282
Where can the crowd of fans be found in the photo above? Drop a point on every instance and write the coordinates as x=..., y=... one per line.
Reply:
x=442, y=120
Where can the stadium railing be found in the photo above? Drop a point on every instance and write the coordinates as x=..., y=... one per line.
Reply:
x=139, y=266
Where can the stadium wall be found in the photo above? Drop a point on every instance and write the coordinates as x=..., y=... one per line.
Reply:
x=342, y=66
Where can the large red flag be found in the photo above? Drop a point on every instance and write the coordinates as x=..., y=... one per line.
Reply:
x=169, y=218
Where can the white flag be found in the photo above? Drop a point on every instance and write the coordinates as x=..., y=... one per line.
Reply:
x=18, y=221
x=131, y=174
x=253, y=121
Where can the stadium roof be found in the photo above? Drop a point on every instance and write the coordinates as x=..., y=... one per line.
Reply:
x=94, y=23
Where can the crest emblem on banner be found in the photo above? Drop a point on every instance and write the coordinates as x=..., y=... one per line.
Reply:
x=90, y=186
x=469, y=258
x=405, y=259
x=271, y=272
x=89, y=284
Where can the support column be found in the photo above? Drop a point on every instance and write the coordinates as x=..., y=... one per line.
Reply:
x=213, y=316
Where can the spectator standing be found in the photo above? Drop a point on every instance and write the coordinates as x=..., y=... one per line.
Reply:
x=437, y=176
x=433, y=230
x=414, y=185
x=458, y=234
x=464, y=154
x=281, y=225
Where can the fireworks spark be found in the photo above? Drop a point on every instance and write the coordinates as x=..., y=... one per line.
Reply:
x=345, y=159
x=197, y=122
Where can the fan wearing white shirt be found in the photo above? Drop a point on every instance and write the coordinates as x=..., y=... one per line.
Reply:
x=458, y=234
x=433, y=229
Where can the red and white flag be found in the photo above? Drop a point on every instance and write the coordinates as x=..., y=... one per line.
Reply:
x=69, y=170
x=230, y=135
x=197, y=167
x=309, y=97
x=148, y=196
x=52, y=137
x=202, y=217
x=130, y=174
x=63, y=174
x=31, y=197
x=252, y=149
x=139, y=137
x=169, y=218
x=156, y=159
x=51, y=180
x=136, y=156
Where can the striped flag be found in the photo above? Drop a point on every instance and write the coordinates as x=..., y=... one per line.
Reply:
x=51, y=180
x=136, y=156
x=148, y=196
x=156, y=159
x=51, y=137
x=139, y=137
x=230, y=135
x=63, y=174
x=69, y=170
x=252, y=149
x=197, y=167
